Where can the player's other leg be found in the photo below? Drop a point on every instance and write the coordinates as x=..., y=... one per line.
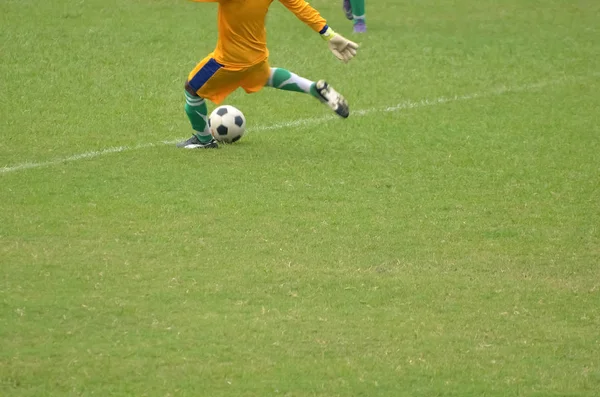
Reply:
x=358, y=15
x=197, y=112
x=283, y=79
x=195, y=103
x=347, y=7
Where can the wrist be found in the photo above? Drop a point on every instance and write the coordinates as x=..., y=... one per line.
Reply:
x=327, y=33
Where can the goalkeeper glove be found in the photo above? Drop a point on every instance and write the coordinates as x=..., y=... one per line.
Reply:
x=341, y=47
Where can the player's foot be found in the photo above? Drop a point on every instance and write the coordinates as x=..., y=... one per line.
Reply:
x=360, y=27
x=347, y=9
x=332, y=98
x=194, y=143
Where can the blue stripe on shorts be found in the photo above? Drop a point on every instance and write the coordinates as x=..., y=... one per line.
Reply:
x=205, y=73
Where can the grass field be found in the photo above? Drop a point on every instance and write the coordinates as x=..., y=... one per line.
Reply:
x=442, y=241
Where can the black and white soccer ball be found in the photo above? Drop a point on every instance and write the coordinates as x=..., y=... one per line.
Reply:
x=227, y=124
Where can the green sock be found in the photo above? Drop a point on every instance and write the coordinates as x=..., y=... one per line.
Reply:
x=197, y=112
x=358, y=10
x=285, y=80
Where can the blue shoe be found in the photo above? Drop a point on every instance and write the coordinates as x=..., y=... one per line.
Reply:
x=360, y=27
x=347, y=9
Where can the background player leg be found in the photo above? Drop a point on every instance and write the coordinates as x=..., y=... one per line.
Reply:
x=197, y=112
x=358, y=15
x=283, y=79
x=347, y=9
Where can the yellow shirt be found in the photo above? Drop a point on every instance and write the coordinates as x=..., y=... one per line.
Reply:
x=242, y=40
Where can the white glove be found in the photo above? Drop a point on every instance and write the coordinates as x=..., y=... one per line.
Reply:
x=341, y=47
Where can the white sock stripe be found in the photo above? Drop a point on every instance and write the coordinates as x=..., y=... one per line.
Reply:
x=194, y=101
x=302, y=83
x=271, y=74
x=203, y=133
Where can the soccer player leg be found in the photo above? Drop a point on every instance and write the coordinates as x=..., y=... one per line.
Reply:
x=358, y=15
x=197, y=112
x=285, y=80
x=347, y=7
x=209, y=80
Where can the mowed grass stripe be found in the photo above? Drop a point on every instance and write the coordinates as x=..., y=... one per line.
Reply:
x=406, y=105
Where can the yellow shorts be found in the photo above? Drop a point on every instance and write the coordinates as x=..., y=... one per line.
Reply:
x=215, y=82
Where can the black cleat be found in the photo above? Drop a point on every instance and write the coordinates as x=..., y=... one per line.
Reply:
x=194, y=143
x=332, y=98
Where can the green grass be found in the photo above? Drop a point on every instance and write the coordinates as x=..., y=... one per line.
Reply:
x=448, y=248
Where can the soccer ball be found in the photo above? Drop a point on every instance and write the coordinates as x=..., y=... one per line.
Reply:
x=227, y=124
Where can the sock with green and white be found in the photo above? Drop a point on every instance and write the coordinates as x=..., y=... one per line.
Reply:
x=358, y=10
x=197, y=112
x=283, y=79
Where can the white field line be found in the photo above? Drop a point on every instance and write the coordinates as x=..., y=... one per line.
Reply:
x=289, y=124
